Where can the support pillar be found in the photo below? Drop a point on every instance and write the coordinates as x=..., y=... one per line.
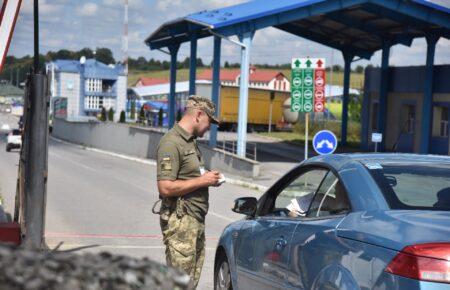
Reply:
x=384, y=90
x=173, y=49
x=215, y=88
x=348, y=58
x=246, y=39
x=427, y=107
x=193, y=65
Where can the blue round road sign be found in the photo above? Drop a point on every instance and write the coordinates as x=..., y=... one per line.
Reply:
x=325, y=142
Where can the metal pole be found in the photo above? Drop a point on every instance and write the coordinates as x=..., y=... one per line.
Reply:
x=246, y=38
x=173, y=81
x=193, y=66
x=384, y=90
x=36, y=36
x=306, y=134
x=348, y=61
x=215, y=88
x=427, y=107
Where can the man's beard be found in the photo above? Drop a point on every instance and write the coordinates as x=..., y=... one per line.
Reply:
x=196, y=133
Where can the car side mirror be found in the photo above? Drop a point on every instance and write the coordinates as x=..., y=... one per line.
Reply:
x=245, y=205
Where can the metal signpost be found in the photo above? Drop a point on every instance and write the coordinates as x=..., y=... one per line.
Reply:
x=377, y=138
x=308, y=89
x=325, y=142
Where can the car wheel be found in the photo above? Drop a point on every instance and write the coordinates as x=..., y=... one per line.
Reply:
x=8, y=148
x=222, y=278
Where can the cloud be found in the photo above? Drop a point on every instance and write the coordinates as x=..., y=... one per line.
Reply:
x=88, y=9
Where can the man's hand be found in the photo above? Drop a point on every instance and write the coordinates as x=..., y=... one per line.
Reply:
x=211, y=178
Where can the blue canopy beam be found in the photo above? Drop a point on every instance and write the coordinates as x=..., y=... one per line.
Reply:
x=246, y=39
x=427, y=107
x=215, y=88
x=173, y=49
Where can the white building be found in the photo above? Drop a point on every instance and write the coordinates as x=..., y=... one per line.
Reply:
x=87, y=87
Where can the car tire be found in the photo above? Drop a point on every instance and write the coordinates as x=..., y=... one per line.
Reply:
x=8, y=149
x=222, y=274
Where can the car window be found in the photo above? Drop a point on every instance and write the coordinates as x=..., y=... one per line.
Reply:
x=419, y=185
x=295, y=198
x=16, y=132
x=330, y=199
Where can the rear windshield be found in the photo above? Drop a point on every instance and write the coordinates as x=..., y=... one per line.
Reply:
x=16, y=132
x=414, y=185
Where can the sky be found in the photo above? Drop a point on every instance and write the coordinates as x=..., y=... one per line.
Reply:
x=75, y=24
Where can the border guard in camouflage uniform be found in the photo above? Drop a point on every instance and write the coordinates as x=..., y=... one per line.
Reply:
x=183, y=187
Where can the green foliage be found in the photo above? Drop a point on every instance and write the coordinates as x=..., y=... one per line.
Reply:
x=111, y=115
x=122, y=117
x=104, y=55
x=355, y=107
x=133, y=110
x=103, y=115
x=353, y=129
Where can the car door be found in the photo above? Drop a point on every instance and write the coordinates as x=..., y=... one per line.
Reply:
x=266, y=265
x=315, y=248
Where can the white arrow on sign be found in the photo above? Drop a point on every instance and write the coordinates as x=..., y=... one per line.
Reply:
x=325, y=143
x=9, y=13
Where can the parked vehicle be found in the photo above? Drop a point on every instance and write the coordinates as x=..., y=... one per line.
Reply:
x=14, y=140
x=373, y=221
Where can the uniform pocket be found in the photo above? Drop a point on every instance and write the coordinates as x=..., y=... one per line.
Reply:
x=184, y=240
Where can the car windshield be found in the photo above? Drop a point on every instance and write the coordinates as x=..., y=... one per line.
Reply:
x=413, y=185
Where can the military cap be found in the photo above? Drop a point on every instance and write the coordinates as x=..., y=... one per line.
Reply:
x=204, y=104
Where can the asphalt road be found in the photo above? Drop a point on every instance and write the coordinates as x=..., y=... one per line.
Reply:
x=104, y=203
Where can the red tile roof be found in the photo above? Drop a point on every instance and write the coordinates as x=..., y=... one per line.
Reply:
x=151, y=81
x=264, y=76
x=225, y=75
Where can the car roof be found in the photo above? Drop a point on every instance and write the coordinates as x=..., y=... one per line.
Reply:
x=338, y=161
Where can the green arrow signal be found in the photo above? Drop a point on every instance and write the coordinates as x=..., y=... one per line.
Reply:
x=297, y=63
x=308, y=63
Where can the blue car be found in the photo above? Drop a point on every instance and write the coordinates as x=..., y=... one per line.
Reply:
x=356, y=221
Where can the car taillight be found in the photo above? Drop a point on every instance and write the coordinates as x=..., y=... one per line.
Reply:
x=425, y=262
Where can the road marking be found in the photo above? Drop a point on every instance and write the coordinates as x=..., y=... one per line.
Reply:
x=221, y=216
x=108, y=236
x=73, y=162
x=75, y=246
x=237, y=182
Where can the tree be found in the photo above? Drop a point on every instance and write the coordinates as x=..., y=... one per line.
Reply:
x=359, y=69
x=133, y=110
x=105, y=55
x=103, y=115
x=337, y=67
x=122, y=117
x=160, y=117
x=227, y=64
x=355, y=107
x=111, y=115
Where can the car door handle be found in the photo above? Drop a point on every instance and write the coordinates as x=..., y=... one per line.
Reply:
x=280, y=244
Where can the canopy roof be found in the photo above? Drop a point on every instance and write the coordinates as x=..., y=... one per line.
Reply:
x=359, y=27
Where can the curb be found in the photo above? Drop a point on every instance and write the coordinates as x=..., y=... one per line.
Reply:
x=232, y=181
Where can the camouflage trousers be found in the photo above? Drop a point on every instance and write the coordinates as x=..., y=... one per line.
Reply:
x=184, y=238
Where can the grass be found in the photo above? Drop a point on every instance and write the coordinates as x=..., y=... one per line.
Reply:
x=297, y=137
x=356, y=80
